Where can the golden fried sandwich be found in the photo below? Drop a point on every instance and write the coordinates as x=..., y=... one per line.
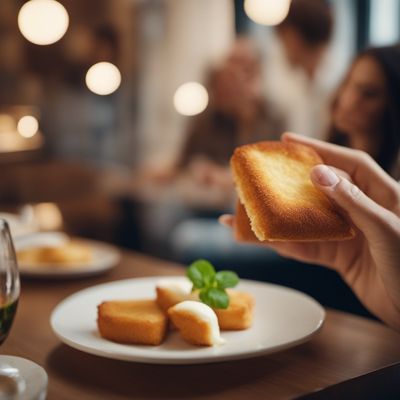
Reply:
x=273, y=183
x=133, y=321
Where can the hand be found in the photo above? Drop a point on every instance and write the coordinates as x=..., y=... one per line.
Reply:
x=369, y=263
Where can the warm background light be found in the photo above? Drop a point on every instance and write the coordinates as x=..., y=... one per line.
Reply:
x=267, y=12
x=103, y=78
x=27, y=126
x=191, y=98
x=7, y=123
x=43, y=22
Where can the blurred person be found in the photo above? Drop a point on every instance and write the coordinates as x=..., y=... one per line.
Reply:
x=237, y=114
x=366, y=109
x=298, y=75
x=305, y=34
x=371, y=199
x=179, y=40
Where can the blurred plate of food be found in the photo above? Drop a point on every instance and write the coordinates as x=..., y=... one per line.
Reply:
x=56, y=255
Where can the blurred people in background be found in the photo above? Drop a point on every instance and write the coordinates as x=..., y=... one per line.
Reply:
x=237, y=114
x=305, y=34
x=297, y=77
x=366, y=109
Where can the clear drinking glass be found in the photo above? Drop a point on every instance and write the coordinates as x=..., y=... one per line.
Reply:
x=9, y=281
x=10, y=381
x=19, y=378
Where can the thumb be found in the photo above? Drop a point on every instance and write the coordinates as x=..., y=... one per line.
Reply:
x=367, y=215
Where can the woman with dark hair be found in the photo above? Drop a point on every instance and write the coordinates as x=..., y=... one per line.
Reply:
x=366, y=110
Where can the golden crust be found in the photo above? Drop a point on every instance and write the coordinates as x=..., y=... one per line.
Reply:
x=133, y=321
x=273, y=184
x=239, y=314
x=242, y=229
x=167, y=298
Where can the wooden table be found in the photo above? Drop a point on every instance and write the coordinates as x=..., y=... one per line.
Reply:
x=346, y=346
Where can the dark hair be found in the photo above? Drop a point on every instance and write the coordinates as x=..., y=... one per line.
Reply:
x=388, y=58
x=312, y=19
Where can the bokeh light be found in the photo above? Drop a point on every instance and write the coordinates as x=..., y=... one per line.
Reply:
x=28, y=126
x=267, y=12
x=43, y=22
x=103, y=78
x=191, y=98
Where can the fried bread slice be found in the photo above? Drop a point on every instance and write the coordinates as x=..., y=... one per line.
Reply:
x=273, y=184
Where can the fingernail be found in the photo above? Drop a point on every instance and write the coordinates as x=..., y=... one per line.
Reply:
x=324, y=176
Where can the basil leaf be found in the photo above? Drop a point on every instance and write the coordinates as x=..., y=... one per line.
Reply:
x=201, y=273
x=226, y=279
x=215, y=298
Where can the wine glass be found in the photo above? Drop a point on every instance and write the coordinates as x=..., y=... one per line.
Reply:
x=9, y=281
x=18, y=376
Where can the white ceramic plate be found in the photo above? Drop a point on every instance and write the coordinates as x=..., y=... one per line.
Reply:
x=105, y=257
x=283, y=318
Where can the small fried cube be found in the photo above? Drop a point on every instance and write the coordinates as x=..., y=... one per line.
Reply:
x=239, y=314
x=133, y=321
x=196, y=322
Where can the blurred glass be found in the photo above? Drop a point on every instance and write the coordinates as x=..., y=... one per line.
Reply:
x=19, y=378
x=9, y=281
